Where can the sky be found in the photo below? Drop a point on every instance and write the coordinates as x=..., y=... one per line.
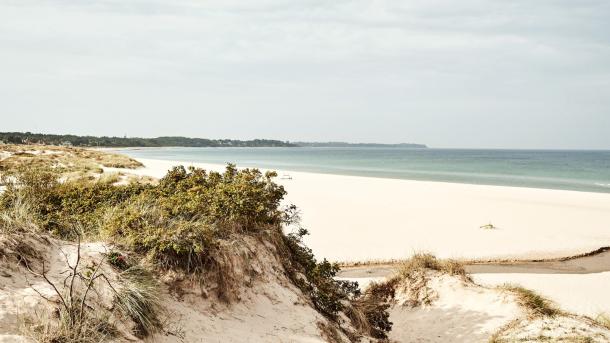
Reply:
x=456, y=74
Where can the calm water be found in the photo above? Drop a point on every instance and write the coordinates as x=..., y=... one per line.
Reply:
x=570, y=170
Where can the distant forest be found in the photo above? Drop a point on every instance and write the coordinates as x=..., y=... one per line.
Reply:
x=120, y=142
x=91, y=141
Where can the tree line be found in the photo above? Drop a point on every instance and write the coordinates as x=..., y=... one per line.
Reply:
x=93, y=141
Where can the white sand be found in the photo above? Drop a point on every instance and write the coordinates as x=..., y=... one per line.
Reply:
x=585, y=294
x=270, y=309
x=354, y=218
x=459, y=312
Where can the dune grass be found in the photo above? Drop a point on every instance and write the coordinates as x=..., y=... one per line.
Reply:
x=44, y=328
x=138, y=299
x=70, y=163
x=421, y=262
x=603, y=319
x=17, y=229
x=535, y=303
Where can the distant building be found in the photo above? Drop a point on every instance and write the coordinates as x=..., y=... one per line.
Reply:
x=66, y=143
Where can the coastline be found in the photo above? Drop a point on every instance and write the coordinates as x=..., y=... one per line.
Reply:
x=400, y=217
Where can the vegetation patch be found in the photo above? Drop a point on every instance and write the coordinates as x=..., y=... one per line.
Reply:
x=536, y=304
x=69, y=163
x=422, y=261
x=191, y=223
x=17, y=230
x=138, y=299
x=603, y=319
x=369, y=312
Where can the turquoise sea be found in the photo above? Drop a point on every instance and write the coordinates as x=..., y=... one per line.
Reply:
x=554, y=169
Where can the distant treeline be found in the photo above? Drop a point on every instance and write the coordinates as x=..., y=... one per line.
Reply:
x=91, y=141
x=359, y=145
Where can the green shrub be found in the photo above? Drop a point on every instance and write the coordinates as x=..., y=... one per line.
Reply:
x=328, y=295
x=369, y=312
x=191, y=221
x=242, y=200
x=58, y=205
x=178, y=222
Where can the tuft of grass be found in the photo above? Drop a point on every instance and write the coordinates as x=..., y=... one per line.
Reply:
x=603, y=319
x=421, y=262
x=535, y=303
x=414, y=272
x=110, y=178
x=17, y=217
x=89, y=329
x=138, y=299
x=17, y=228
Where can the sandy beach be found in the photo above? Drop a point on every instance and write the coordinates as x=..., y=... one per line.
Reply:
x=354, y=218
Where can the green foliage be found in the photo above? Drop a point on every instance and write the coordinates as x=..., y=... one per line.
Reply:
x=370, y=310
x=58, y=205
x=243, y=200
x=178, y=222
x=191, y=221
x=117, y=260
x=328, y=295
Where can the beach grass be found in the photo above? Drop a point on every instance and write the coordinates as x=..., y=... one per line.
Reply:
x=535, y=303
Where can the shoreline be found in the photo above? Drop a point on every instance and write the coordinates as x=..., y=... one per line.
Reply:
x=447, y=176
x=437, y=217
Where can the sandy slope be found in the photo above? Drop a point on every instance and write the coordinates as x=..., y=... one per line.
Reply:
x=18, y=298
x=360, y=218
x=270, y=309
x=586, y=294
x=460, y=312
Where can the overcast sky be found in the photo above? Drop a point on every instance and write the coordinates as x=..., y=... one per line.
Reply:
x=468, y=73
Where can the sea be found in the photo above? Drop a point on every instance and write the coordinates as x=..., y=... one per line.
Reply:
x=575, y=170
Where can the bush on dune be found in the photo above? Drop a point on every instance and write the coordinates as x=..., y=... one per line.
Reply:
x=179, y=222
x=56, y=206
x=192, y=221
x=327, y=294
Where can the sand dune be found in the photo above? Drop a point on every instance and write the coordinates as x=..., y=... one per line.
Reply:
x=585, y=294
